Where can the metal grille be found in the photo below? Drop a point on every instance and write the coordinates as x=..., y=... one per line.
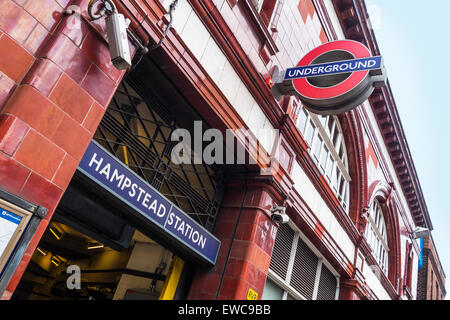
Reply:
x=137, y=128
x=298, y=267
x=304, y=270
x=327, y=285
x=281, y=253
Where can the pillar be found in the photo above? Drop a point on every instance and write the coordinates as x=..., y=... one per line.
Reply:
x=247, y=235
x=56, y=80
x=348, y=290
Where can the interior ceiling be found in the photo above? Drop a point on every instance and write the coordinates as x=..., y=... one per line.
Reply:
x=73, y=244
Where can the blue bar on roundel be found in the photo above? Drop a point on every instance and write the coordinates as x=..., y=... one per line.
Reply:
x=324, y=69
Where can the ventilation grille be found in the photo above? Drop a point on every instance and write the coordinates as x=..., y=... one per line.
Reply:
x=282, y=251
x=304, y=270
x=327, y=285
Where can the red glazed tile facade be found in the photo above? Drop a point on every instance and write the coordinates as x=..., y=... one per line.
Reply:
x=47, y=112
x=56, y=83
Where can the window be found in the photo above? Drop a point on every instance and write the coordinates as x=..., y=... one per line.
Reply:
x=327, y=148
x=257, y=4
x=269, y=11
x=376, y=235
x=409, y=265
x=431, y=286
x=296, y=272
x=137, y=127
x=437, y=291
x=272, y=291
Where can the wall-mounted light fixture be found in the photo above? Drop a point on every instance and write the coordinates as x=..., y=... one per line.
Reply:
x=420, y=232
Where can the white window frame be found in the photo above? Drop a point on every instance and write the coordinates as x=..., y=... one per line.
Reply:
x=275, y=9
x=320, y=127
x=285, y=284
x=258, y=4
x=376, y=235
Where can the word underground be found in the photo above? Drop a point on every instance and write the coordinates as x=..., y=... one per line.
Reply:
x=337, y=67
x=147, y=198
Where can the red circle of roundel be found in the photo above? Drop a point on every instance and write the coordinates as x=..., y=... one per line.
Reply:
x=358, y=50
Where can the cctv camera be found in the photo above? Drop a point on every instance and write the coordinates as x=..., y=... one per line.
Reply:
x=279, y=215
x=280, y=218
x=116, y=27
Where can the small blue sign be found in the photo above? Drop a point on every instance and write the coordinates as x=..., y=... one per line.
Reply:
x=324, y=69
x=14, y=218
x=118, y=179
x=421, y=253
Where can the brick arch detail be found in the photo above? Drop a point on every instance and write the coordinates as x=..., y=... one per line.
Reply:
x=382, y=192
x=354, y=143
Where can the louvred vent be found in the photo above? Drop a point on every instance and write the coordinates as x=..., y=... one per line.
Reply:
x=298, y=266
x=327, y=285
x=304, y=270
x=282, y=251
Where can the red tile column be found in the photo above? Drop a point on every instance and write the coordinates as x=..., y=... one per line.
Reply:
x=349, y=290
x=56, y=81
x=247, y=235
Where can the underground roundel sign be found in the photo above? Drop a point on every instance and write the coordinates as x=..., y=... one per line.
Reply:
x=336, y=77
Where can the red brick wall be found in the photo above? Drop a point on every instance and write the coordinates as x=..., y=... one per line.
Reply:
x=56, y=80
x=431, y=277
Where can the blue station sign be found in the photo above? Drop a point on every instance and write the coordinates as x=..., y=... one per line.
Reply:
x=326, y=69
x=109, y=172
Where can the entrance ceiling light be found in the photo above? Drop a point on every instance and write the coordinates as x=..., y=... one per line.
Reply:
x=42, y=251
x=57, y=231
x=95, y=245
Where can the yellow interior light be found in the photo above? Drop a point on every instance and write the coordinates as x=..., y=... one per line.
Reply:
x=57, y=236
x=44, y=253
x=95, y=245
x=56, y=260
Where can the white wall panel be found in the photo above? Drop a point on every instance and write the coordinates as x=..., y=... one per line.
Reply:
x=373, y=123
x=323, y=213
x=374, y=283
x=334, y=19
x=205, y=49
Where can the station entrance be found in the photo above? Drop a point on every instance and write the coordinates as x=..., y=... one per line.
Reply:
x=117, y=255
